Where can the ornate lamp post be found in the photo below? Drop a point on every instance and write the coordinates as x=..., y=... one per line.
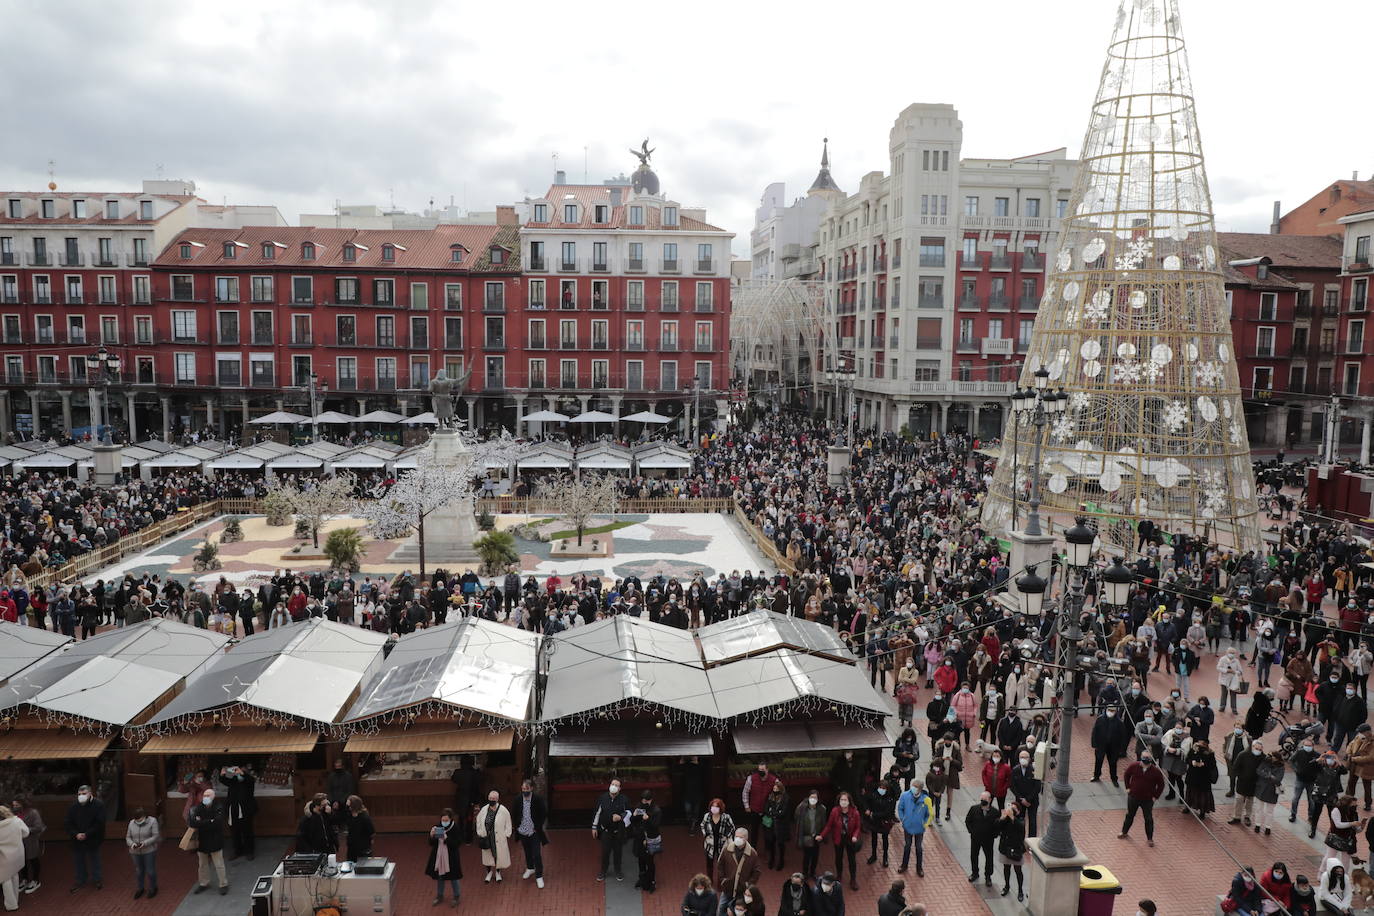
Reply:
x=106, y=459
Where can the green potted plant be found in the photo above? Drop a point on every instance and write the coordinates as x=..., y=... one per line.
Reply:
x=233, y=531
x=497, y=550
x=344, y=548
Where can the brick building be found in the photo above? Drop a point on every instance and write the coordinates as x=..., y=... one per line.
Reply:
x=1284, y=295
x=1321, y=214
x=75, y=270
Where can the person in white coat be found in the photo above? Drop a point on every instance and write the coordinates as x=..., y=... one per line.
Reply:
x=1333, y=888
x=493, y=836
x=13, y=830
x=1230, y=670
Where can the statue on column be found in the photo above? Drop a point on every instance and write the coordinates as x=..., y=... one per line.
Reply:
x=442, y=390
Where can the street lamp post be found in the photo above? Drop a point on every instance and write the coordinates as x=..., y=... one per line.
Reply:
x=1038, y=403
x=316, y=387
x=106, y=457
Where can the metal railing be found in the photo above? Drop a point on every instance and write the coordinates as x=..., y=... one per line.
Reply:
x=930, y=302
x=999, y=262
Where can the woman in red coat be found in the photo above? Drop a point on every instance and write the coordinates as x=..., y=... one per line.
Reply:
x=842, y=829
x=946, y=677
x=997, y=778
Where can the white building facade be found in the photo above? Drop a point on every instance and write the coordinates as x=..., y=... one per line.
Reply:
x=933, y=274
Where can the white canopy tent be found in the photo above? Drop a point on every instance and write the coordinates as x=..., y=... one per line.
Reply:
x=279, y=416
x=238, y=461
x=647, y=416
x=379, y=416
x=422, y=418
x=545, y=416
x=592, y=416
x=335, y=418
x=294, y=463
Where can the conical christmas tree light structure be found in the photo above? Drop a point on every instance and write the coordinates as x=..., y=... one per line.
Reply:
x=1134, y=325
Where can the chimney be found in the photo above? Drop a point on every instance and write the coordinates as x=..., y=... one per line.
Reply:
x=560, y=177
x=615, y=197
x=1274, y=226
x=505, y=216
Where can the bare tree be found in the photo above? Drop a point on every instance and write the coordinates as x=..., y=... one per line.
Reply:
x=414, y=496
x=579, y=498
x=318, y=499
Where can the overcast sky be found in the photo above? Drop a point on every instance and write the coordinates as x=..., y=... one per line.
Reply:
x=299, y=103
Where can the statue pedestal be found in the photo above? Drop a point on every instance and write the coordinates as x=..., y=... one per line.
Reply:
x=450, y=529
x=107, y=464
x=838, y=459
x=1052, y=882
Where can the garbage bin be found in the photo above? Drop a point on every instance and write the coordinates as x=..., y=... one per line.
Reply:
x=1097, y=891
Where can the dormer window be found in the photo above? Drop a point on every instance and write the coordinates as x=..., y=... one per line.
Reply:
x=570, y=213
x=498, y=255
x=602, y=214
x=145, y=209
x=269, y=251
x=185, y=250
x=350, y=252
x=78, y=209
x=1262, y=271
x=307, y=251
x=455, y=254
x=388, y=252
x=670, y=216
x=636, y=215
x=112, y=209
x=541, y=213
x=228, y=249
x=47, y=209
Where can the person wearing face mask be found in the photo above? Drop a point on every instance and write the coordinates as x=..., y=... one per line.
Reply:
x=142, y=837
x=1234, y=747
x=1244, y=771
x=1025, y=787
x=533, y=813
x=1326, y=789
x=946, y=676
x=1268, y=785
x=240, y=807
x=990, y=711
x=717, y=829
x=1199, y=777
x=736, y=869
x=30, y=876
x=1306, y=763
x=796, y=897
x=1144, y=785
x=13, y=832
x=608, y=828
x=905, y=752
x=493, y=837
x=1334, y=889
x=1230, y=673
x=757, y=787
x=85, y=824
x=700, y=899
x=810, y=818
x=1110, y=739
x=1010, y=734
x=908, y=691
x=645, y=830
x=445, y=840
x=1302, y=900
x=361, y=830
x=750, y=903
x=997, y=778
x=1246, y=894
x=1148, y=735
x=776, y=825
x=879, y=812
x=964, y=705
x=1347, y=715
x=207, y=820
x=915, y=810
x=1278, y=884
x=828, y=900
x=843, y=830
x=981, y=823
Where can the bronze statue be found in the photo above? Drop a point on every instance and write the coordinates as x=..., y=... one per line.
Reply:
x=441, y=393
x=643, y=154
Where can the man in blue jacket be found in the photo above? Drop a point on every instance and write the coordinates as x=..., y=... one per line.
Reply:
x=915, y=810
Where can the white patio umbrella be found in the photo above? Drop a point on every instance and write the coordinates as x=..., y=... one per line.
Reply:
x=592, y=416
x=545, y=416
x=379, y=416
x=647, y=416
x=426, y=417
x=336, y=418
x=280, y=416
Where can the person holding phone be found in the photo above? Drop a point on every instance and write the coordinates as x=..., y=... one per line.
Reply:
x=143, y=837
x=241, y=806
x=444, y=842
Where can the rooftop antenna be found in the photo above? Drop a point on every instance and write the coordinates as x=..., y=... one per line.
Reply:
x=584, y=165
x=158, y=169
x=391, y=192
x=555, y=162
x=52, y=175
x=338, y=213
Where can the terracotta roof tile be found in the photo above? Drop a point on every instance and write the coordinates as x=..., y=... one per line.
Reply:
x=1312, y=251
x=95, y=208
x=587, y=196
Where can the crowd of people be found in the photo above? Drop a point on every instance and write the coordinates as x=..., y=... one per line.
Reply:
x=894, y=558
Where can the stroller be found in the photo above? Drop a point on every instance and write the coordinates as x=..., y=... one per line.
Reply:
x=1291, y=735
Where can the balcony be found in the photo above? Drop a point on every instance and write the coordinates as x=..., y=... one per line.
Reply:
x=228, y=340
x=1264, y=353
x=1357, y=304
x=930, y=302
x=880, y=265
x=600, y=305
x=76, y=336
x=567, y=343
x=386, y=383
x=494, y=306
x=635, y=345
x=705, y=266
x=74, y=299
x=494, y=343
x=536, y=263
x=928, y=343
x=537, y=381
x=537, y=342
x=567, y=382
x=1326, y=349
x=668, y=306
x=969, y=303
x=996, y=346
x=601, y=344
x=896, y=300
x=1359, y=264
x=600, y=267
x=702, y=346
x=567, y=267
x=136, y=260
x=634, y=305
x=1027, y=303
x=999, y=262
x=302, y=340
x=668, y=265
x=967, y=345
x=896, y=259
x=705, y=307
x=999, y=303
x=878, y=343
x=229, y=380
x=1302, y=311
x=1354, y=346
x=108, y=299
x=418, y=342
x=9, y=299
x=932, y=260
x=536, y=305
x=9, y=259
x=105, y=260
x=40, y=260
x=346, y=383
x=1032, y=261
x=73, y=259
x=668, y=345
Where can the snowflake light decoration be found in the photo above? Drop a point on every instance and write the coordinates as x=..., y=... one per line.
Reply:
x=1062, y=428
x=1237, y=434
x=1127, y=372
x=1175, y=416
x=1096, y=308
x=1209, y=374
x=1078, y=401
x=1151, y=371
x=1135, y=255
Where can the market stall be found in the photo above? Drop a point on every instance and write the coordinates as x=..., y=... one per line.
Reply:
x=662, y=459
x=625, y=696
x=604, y=456
x=63, y=713
x=264, y=705
x=25, y=646
x=464, y=688
x=765, y=631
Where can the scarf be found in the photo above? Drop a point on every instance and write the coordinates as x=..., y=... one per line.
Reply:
x=441, y=856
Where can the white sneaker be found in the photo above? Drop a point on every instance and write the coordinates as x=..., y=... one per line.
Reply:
x=528, y=873
x=33, y=886
x=539, y=882
x=498, y=877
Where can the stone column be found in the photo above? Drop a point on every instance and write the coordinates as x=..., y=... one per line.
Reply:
x=472, y=412
x=281, y=404
x=35, y=413
x=1364, y=438
x=5, y=425
x=166, y=417
x=243, y=404
x=586, y=401
x=133, y=418
x=973, y=412
x=362, y=405
x=519, y=412
x=209, y=412
x=66, y=411
x=944, y=417
x=615, y=405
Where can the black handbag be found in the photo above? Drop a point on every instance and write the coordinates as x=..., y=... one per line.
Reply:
x=1339, y=842
x=484, y=842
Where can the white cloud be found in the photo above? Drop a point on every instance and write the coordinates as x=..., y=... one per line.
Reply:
x=298, y=104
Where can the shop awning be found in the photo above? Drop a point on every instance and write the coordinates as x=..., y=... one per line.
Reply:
x=634, y=739
x=229, y=740
x=51, y=744
x=783, y=737
x=434, y=737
